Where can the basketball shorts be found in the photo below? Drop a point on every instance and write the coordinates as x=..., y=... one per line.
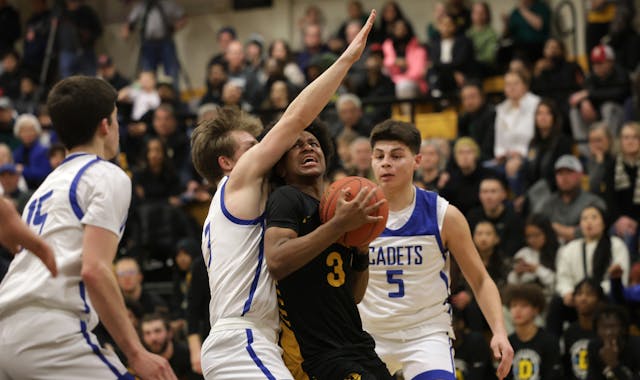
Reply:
x=424, y=358
x=244, y=353
x=44, y=344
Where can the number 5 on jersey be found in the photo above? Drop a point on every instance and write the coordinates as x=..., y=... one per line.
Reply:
x=393, y=277
x=36, y=217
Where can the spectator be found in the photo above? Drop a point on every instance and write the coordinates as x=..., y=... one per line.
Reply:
x=629, y=296
x=600, y=14
x=36, y=36
x=130, y=283
x=158, y=21
x=343, y=144
x=600, y=158
x=313, y=46
x=564, y=206
x=187, y=250
x=232, y=96
x=166, y=128
x=280, y=50
x=254, y=53
x=460, y=13
x=9, y=179
x=528, y=26
x=452, y=60
x=9, y=26
x=536, y=352
x=632, y=104
x=313, y=15
x=375, y=84
x=28, y=99
x=360, y=153
x=605, y=91
x=30, y=156
x=56, y=155
x=350, y=116
x=547, y=145
x=157, y=180
x=622, y=184
x=439, y=11
x=429, y=174
x=198, y=297
x=157, y=337
x=143, y=95
x=536, y=262
x=493, y=208
x=477, y=118
x=483, y=37
x=237, y=69
x=556, y=78
x=514, y=127
x=78, y=30
x=7, y=120
x=614, y=354
x=593, y=255
x=462, y=187
x=624, y=39
x=390, y=13
x=108, y=71
x=588, y=297
x=472, y=353
x=10, y=75
x=405, y=60
x=224, y=37
x=355, y=12
x=216, y=79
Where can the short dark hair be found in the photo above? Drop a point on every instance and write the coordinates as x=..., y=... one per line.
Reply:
x=616, y=311
x=530, y=293
x=156, y=317
x=497, y=178
x=55, y=149
x=401, y=131
x=211, y=139
x=77, y=105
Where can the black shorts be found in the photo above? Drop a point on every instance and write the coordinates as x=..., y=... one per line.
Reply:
x=350, y=367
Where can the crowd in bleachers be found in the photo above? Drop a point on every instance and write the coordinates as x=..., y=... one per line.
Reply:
x=547, y=175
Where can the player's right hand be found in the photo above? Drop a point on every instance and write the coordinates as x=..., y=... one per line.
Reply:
x=356, y=212
x=148, y=366
x=356, y=47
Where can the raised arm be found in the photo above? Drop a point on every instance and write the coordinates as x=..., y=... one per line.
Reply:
x=457, y=238
x=259, y=160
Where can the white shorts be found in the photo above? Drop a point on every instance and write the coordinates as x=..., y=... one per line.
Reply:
x=46, y=344
x=424, y=358
x=245, y=353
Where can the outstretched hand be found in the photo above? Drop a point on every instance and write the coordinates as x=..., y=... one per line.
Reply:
x=358, y=211
x=15, y=235
x=502, y=351
x=356, y=47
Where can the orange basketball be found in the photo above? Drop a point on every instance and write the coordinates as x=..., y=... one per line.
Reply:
x=367, y=232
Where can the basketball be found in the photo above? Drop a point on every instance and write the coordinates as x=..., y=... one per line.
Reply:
x=366, y=233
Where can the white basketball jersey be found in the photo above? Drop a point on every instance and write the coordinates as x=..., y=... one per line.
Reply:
x=83, y=190
x=233, y=250
x=409, y=273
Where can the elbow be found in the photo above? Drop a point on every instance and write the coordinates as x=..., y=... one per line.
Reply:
x=91, y=274
x=277, y=269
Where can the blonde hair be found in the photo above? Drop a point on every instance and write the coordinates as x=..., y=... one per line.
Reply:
x=463, y=142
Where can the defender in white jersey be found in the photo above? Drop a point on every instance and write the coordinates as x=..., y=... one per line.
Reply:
x=243, y=340
x=406, y=305
x=79, y=210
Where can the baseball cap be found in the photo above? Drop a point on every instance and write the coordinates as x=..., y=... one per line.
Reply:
x=5, y=102
x=570, y=162
x=602, y=53
x=8, y=168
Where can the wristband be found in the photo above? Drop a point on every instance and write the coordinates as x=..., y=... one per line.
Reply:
x=360, y=262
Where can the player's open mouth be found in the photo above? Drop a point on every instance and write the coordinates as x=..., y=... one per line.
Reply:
x=309, y=160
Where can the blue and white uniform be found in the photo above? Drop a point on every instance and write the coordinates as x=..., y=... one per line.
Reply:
x=243, y=342
x=46, y=322
x=406, y=306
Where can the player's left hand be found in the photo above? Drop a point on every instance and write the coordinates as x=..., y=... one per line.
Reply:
x=502, y=351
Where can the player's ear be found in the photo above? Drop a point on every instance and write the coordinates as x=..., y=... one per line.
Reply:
x=225, y=163
x=418, y=159
x=103, y=126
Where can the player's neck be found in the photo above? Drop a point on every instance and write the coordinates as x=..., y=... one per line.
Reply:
x=311, y=188
x=401, y=199
x=585, y=321
x=91, y=148
x=527, y=331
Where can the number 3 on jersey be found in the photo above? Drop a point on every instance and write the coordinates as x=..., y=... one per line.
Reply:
x=36, y=217
x=336, y=277
x=393, y=278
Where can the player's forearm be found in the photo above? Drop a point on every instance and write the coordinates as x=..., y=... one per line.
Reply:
x=491, y=305
x=109, y=304
x=359, y=284
x=292, y=254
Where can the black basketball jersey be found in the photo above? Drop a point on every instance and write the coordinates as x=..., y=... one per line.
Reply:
x=317, y=308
